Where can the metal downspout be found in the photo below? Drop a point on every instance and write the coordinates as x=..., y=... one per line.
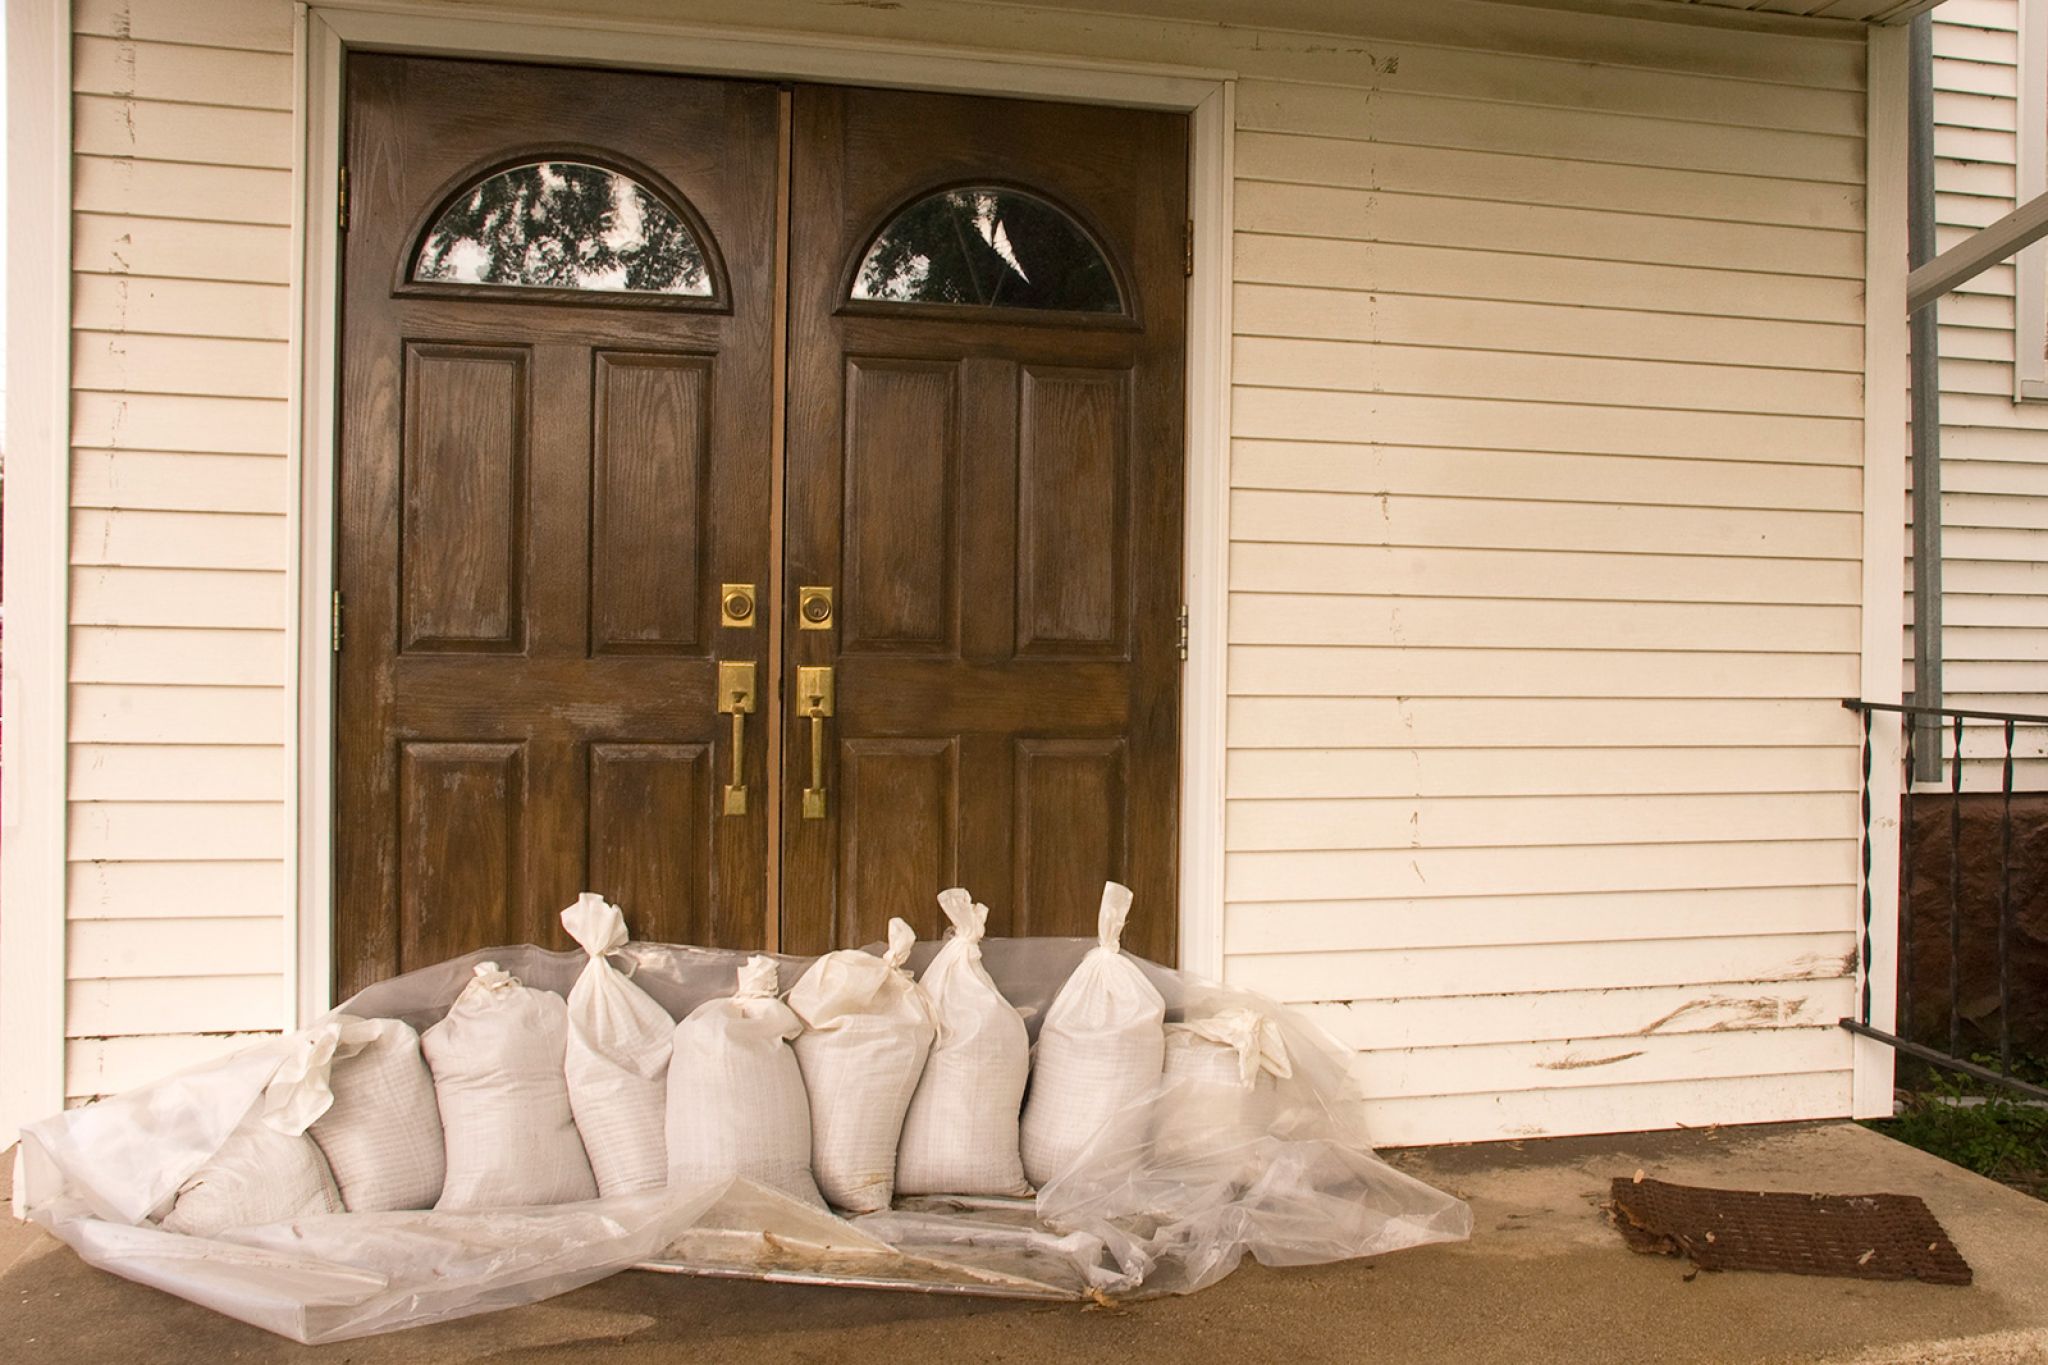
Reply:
x=1926, y=383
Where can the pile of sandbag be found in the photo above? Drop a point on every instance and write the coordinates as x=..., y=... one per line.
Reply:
x=639, y=1090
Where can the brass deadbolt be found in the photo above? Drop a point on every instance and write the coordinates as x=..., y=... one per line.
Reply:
x=814, y=608
x=736, y=605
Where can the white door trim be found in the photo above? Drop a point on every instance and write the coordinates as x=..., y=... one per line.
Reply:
x=33, y=771
x=1206, y=94
x=1884, y=544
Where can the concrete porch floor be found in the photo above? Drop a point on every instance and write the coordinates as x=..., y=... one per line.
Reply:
x=1544, y=1278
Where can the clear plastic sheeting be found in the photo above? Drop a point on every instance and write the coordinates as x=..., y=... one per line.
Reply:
x=1176, y=1188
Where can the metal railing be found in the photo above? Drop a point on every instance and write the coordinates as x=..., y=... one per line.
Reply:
x=1936, y=719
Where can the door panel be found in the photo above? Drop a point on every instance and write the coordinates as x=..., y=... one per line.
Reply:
x=972, y=480
x=544, y=480
x=647, y=515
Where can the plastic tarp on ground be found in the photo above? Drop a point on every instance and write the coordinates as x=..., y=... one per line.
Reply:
x=1168, y=1197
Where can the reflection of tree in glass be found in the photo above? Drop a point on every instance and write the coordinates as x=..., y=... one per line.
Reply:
x=564, y=225
x=992, y=247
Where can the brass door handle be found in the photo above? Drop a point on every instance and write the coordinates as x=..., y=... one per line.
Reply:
x=815, y=699
x=736, y=698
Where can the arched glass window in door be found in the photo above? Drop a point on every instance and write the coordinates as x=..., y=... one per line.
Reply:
x=988, y=246
x=564, y=225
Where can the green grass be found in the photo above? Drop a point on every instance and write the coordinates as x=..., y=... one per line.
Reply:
x=1996, y=1135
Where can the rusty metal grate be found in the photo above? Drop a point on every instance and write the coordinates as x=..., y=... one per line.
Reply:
x=1862, y=1236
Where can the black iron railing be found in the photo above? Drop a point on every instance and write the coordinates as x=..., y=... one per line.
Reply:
x=1937, y=718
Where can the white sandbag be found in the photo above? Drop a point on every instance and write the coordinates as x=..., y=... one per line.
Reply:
x=736, y=1103
x=617, y=1058
x=866, y=1033
x=1101, y=1046
x=1239, y=1055
x=505, y=1120
x=960, y=1136
x=1233, y=1047
x=258, y=1176
x=381, y=1134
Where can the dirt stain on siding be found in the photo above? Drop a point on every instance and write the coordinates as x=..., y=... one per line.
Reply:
x=1580, y=1063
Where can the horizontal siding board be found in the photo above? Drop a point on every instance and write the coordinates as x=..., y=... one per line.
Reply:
x=121, y=362
x=212, y=23
x=1542, y=328
x=1388, y=367
x=1396, y=1122
x=178, y=540
x=1587, y=234
x=1647, y=1011
x=1334, y=518
x=175, y=890
x=175, y=830
x=178, y=422
x=1545, y=181
x=1409, y=973
x=166, y=189
x=1511, y=918
x=1808, y=103
x=1524, y=822
x=1395, y=267
x=94, y=1067
x=1461, y=174
x=1535, y=476
x=161, y=481
x=1575, y=722
x=1458, y=623
x=1402, y=671
x=1422, y=873
x=177, y=597
x=112, y=244
x=206, y=134
x=128, y=713
x=1494, y=1068
x=141, y=654
x=1468, y=423
x=1391, y=116
x=204, y=308
x=1335, y=771
x=1560, y=575
x=135, y=1006
x=181, y=73
x=182, y=947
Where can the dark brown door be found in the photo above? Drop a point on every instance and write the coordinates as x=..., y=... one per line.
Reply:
x=555, y=448
x=984, y=466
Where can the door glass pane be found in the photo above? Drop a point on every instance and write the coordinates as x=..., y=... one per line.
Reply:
x=989, y=247
x=564, y=225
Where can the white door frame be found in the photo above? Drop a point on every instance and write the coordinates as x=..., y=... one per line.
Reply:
x=327, y=32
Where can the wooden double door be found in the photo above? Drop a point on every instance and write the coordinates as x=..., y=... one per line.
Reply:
x=760, y=505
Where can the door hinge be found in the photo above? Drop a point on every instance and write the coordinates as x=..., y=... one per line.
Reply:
x=341, y=201
x=336, y=625
x=1187, y=248
x=1183, y=630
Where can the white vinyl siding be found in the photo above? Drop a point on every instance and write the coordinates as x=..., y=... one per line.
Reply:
x=1546, y=531
x=1545, y=568
x=182, y=199
x=1994, y=450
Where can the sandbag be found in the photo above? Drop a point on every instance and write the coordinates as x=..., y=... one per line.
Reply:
x=1101, y=1047
x=616, y=1062
x=960, y=1136
x=1238, y=1055
x=381, y=1131
x=258, y=1176
x=736, y=1104
x=505, y=1121
x=866, y=1033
